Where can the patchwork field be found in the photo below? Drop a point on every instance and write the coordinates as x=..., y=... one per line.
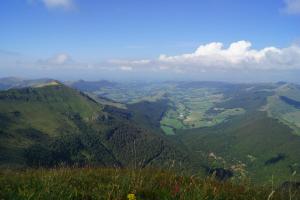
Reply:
x=190, y=113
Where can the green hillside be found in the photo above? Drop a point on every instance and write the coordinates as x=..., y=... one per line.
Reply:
x=53, y=124
x=253, y=146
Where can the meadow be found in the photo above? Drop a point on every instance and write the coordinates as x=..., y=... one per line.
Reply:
x=119, y=184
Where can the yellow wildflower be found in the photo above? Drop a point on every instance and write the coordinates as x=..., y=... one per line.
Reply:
x=131, y=197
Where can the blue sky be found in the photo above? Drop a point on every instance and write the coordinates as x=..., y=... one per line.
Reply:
x=96, y=39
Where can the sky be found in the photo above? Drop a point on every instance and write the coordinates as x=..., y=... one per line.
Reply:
x=219, y=40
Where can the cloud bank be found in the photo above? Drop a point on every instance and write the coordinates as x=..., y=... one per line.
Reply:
x=214, y=56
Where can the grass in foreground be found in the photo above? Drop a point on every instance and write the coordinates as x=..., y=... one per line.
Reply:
x=96, y=183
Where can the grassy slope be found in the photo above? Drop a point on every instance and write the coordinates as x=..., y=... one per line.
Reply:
x=89, y=183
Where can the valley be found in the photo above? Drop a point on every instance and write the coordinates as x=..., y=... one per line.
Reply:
x=238, y=130
x=233, y=126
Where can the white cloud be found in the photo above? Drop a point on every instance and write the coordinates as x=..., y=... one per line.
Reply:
x=65, y=4
x=292, y=6
x=214, y=56
x=61, y=61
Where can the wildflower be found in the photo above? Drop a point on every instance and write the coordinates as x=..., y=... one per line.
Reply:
x=131, y=197
x=176, y=189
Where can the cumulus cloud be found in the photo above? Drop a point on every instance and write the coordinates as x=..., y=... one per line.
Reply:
x=292, y=6
x=214, y=56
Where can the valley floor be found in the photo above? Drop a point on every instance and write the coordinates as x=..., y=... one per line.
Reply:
x=101, y=183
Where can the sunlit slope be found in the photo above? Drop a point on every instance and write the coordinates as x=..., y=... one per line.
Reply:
x=47, y=107
x=33, y=115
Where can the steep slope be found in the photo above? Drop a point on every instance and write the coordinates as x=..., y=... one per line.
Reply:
x=149, y=113
x=54, y=124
